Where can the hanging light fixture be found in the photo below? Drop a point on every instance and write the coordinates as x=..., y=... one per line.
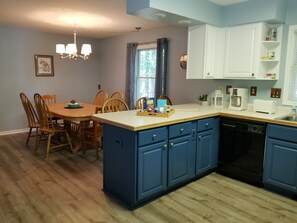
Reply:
x=70, y=51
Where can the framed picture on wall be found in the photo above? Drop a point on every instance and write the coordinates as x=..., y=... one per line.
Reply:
x=44, y=65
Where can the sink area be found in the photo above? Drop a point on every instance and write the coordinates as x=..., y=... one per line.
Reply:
x=292, y=118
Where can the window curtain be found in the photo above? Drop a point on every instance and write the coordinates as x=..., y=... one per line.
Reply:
x=130, y=74
x=161, y=68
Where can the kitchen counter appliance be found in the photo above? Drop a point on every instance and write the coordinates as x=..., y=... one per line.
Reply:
x=241, y=149
x=238, y=99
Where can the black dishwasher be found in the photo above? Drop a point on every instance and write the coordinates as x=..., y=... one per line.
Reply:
x=241, y=149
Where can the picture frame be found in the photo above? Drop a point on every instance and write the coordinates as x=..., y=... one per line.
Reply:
x=44, y=65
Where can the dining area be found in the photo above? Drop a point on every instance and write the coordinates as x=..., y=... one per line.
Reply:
x=68, y=125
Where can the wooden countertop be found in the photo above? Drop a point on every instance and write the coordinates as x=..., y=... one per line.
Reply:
x=187, y=112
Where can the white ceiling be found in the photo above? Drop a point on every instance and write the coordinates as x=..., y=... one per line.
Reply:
x=92, y=18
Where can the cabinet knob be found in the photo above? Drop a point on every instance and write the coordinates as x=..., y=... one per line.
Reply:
x=208, y=73
x=154, y=136
x=181, y=131
x=206, y=124
x=171, y=144
x=165, y=146
x=199, y=137
x=253, y=74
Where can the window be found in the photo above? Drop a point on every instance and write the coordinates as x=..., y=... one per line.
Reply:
x=290, y=82
x=146, y=58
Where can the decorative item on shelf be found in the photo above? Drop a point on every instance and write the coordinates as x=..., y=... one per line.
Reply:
x=183, y=61
x=202, y=100
x=217, y=99
x=271, y=75
x=271, y=55
x=272, y=34
x=70, y=51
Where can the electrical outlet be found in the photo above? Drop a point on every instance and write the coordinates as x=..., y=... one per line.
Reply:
x=253, y=91
x=275, y=92
x=228, y=89
x=99, y=86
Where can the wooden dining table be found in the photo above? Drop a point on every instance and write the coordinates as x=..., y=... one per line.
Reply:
x=80, y=116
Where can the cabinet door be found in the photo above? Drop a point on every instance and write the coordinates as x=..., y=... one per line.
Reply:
x=280, y=166
x=152, y=170
x=242, y=51
x=181, y=159
x=204, y=152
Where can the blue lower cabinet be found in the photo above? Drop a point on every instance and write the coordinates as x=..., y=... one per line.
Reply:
x=152, y=170
x=207, y=145
x=280, y=166
x=204, y=151
x=181, y=160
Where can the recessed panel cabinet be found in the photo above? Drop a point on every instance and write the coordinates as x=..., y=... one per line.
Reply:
x=280, y=164
x=242, y=51
x=205, y=52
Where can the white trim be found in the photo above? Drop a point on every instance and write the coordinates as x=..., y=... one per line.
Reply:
x=147, y=46
x=289, y=60
x=13, y=131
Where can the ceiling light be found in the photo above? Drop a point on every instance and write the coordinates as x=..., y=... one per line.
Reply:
x=70, y=51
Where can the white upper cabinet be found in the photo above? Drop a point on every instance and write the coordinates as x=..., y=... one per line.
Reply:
x=242, y=51
x=205, y=52
x=249, y=51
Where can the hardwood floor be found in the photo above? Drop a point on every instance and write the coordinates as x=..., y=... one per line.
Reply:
x=67, y=188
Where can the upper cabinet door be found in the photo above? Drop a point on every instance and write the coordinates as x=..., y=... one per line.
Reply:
x=205, y=52
x=242, y=51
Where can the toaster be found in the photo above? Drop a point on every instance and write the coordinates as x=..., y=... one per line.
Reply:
x=264, y=106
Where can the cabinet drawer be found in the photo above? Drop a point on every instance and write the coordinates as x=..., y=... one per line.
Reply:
x=180, y=130
x=205, y=124
x=282, y=132
x=152, y=136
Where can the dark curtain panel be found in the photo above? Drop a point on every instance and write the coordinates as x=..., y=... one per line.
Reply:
x=161, y=70
x=130, y=74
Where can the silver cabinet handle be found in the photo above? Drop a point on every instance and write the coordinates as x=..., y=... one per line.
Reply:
x=154, y=136
x=206, y=124
x=181, y=131
x=171, y=144
x=199, y=137
x=165, y=146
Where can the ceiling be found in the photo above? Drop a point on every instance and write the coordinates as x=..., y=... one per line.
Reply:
x=90, y=18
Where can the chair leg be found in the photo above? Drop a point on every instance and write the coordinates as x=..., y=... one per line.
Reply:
x=48, y=145
x=29, y=135
x=69, y=141
x=38, y=141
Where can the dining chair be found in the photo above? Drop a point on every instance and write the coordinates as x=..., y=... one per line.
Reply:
x=33, y=122
x=49, y=98
x=167, y=98
x=47, y=126
x=94, y=134
x=140, y=102
x=100, y=97
x=117, y=95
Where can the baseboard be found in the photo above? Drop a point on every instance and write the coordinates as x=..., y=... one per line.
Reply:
x=13, y=131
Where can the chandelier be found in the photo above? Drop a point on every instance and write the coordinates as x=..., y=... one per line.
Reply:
x=70, y=51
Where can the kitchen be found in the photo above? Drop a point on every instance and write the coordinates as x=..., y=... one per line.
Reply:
x=181, y=90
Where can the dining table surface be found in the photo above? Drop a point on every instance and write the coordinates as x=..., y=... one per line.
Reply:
x=63, y=111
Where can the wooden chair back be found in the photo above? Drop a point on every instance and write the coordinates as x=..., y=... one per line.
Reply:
x=167, y=98
x=33, y=121
x=49, y=99
x=117, y=95
x=30, y=112
x=140, y=102
x=100, y=97
x=45, y=118
x=114, y=105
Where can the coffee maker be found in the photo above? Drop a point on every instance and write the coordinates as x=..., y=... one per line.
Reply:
x=238, y=99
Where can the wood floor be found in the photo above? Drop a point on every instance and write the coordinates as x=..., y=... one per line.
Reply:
x=67, y=188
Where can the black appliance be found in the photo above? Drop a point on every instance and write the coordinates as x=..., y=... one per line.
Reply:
x=241, y=149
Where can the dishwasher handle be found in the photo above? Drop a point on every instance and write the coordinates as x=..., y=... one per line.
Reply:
x=229, y=125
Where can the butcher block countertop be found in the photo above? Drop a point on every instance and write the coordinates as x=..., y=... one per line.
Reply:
x=186, y=112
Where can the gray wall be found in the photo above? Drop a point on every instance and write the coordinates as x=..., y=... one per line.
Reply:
x=73, y=79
